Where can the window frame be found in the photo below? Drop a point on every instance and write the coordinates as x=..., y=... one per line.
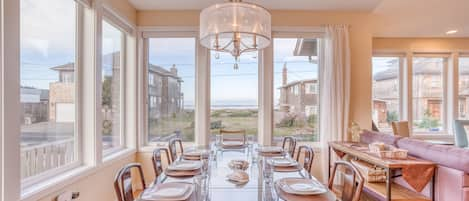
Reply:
x=29, y=182
x=146, y=35
x=304, y=33
x=116, y=23
x=202, y=91
x=88, y=54
x=450, y=82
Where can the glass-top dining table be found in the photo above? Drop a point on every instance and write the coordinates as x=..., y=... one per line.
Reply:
x=256, y=189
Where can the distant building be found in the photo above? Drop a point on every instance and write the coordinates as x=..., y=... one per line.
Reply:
x=33, y=105
x=62, y=95
x=299, y=97
x=164, y=92
x=427, y=91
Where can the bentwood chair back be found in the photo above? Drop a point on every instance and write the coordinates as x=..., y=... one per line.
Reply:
x=308, y=156
x=460, y=134
x=233, y=136
x=173, y=146
x=289, y=145
x=401, y=128
x=157, y=160
x=123, y=182
x=352, y=182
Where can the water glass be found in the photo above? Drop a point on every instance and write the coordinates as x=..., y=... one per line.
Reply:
x=268, y=170
x=205, y=165
x=201, y=187
x=254, y=155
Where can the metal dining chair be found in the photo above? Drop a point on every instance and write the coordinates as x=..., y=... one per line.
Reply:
x=123, y=182
x=308, y=156
x=289, y=144
x=352, y=182
x=173, y=147
x=460, y=134
x=157, y=161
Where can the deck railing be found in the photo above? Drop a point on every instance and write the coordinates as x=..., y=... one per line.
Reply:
x=39, y=158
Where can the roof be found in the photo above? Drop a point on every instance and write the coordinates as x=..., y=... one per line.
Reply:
x=306, y=47
x=160, y=70
x=65, y=67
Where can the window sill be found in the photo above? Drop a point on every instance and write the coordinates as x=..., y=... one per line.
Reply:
x=59, y=182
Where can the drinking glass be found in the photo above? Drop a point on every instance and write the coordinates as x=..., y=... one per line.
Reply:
x=201, y=187
x=268, y=170
x=205, y=165
x=254, y=154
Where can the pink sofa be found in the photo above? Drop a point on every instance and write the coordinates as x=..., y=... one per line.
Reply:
x=452, y=176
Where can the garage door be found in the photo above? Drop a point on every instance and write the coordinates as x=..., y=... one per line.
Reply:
x=65, y=112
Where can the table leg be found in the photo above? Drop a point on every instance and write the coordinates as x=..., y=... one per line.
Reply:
x=432, y=189
x=388, y=184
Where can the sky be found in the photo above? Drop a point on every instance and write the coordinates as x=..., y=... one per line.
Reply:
x=48, y=41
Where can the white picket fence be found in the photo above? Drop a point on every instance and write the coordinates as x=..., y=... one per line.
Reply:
x=39, y=158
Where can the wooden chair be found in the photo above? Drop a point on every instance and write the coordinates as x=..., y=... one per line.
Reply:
x=172, y=146
x=157, y=161
x=401, y=128
x=308, y=156
x=233, y=136
x=123, y=182
x=351, y=189
x=290, y=143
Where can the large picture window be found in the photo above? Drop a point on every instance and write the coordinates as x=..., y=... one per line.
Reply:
x=171, y=88
x=463, y=98
x=296, y=89
x=48, y=88
x=111, y=81
x=428, y=94
x=234, y=93
x=385, y=91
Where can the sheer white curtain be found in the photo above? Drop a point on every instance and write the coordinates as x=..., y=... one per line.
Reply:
x=335, y=88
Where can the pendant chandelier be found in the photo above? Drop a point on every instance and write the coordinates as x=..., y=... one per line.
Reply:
x=235, y=27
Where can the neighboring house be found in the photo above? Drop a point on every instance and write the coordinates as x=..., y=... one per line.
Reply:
x=62, y=96
x=427, y=91
x=299, y=97
x=165, y=98
x=33, y=105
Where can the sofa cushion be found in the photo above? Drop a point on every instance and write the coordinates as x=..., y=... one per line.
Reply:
x=448, y=156
x=370, y=136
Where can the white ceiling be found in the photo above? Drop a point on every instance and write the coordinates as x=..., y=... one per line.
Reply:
x=394, y=18
x=355, y=5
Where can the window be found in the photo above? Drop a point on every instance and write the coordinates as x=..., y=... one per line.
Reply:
x=385, y=91
x=428, y=94
x=234, y=92
x=111, y=81
x=463, y=88
x=296, y=97
x=171, y=112
x=47, y=89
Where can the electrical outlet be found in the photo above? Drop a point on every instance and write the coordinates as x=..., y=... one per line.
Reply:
x=65, y=196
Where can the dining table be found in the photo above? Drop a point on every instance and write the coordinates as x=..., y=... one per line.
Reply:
x=256, y=189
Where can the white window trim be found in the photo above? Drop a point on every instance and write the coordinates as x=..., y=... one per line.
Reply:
x=450, y=87
x=145, y=33
x=88, y=55
x=202, y=105
x=31, y=181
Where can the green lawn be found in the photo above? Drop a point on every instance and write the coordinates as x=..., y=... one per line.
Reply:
x=231, y=119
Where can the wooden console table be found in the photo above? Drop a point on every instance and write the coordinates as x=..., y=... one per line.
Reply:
x=387, y=191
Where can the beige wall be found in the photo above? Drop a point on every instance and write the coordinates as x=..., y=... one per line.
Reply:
x=420, y=44
x=97, y=186
x=124, y=8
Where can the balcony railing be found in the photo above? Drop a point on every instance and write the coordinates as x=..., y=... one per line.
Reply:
x=39, y=158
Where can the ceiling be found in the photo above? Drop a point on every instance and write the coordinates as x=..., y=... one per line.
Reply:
x=355, y=5
x=393, y=18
